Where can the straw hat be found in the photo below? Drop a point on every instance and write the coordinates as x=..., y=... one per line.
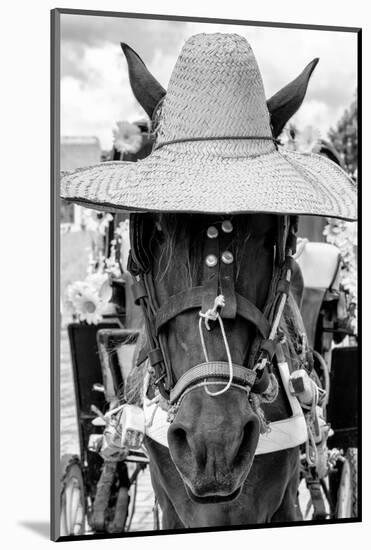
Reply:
x=214, y=151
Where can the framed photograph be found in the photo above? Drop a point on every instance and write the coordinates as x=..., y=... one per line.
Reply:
x=205, y=198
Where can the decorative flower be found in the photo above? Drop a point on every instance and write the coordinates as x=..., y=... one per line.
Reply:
x=98, y=281
x=338, y=232
x=95, y=221
x=88, y=299
x=76, y=291
x=127, y=137
x=307, y=140
x=344, y=235
x=89, y=307
x=123, y=229
x=112, y=265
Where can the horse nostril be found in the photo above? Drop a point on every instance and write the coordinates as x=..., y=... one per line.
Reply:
x=178, y=442
x=178, y=436
x=181, y=447
x=249, y=440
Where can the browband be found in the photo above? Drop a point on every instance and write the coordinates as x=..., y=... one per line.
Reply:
x=191, y=298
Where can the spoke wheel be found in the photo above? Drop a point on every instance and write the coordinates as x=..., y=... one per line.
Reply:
x=347, y=499
x=72, y=498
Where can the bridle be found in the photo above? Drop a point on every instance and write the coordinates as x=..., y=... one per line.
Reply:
x=218, y=278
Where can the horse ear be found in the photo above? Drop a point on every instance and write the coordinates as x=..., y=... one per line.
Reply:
x=284, y=104
x=145, y=87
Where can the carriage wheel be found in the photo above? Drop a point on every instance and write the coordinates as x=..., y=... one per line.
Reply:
x=72, y=497
x=347, y=499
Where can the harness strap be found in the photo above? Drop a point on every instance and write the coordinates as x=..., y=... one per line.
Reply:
x=250, y=312
x=156, y=317
x=191, y=298
x=214, y=369
x=226, y=274
x=157, y=347
x=210, y=274
x=319, y=509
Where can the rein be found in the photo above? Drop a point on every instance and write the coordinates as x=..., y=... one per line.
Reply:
x=217, y=300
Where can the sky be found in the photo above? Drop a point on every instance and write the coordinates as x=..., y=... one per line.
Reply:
x=95, y=88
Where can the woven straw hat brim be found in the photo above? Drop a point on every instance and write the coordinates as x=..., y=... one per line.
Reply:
x=180, y=178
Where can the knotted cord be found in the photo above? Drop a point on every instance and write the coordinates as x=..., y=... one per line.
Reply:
x=213, y=315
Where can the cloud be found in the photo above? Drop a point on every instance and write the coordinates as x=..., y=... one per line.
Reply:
x=95, y=86
x=92, y=105
x=84, y=31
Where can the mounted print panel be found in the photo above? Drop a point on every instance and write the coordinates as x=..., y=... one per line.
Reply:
x=205, y=182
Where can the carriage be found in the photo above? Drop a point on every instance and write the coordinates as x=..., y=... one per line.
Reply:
x=98, y=370
x=301, y=282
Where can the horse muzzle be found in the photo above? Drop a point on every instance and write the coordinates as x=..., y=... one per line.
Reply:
x=212, y=442
x=213, y=498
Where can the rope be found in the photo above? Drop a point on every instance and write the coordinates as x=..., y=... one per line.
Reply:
x=326, y=376
x=213, y=315
x=311, y=452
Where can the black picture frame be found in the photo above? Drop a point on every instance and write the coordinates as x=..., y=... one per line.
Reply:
x=55, y=253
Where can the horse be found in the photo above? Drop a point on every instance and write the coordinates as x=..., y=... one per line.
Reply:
x=209, y=474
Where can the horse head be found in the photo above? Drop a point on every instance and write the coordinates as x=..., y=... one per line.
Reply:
x=187, y=260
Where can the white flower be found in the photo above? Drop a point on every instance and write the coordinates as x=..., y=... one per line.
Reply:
x=96, y=280
x=88, y=299
x=122, y=229
x=344, y=235
x=92, y=222
x=76, y=290
x=89, y=308
x=127, y=137
x=113, y=266
x=307, y=140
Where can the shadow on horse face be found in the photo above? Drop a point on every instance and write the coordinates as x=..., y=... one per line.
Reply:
x=212, y=439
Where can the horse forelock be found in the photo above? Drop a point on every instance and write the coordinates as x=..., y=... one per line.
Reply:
x=177, y=244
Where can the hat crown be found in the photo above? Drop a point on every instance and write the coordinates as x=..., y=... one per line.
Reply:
x=215, y=90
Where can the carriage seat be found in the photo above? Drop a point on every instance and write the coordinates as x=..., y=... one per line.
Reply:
x=319, y=264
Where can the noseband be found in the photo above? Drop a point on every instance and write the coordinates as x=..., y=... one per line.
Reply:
x=218, y=279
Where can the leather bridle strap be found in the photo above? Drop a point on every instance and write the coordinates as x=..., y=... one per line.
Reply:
x=210, y=278
x=203, y=297
x=213, y=370
x=144, y=295
x=191, y=298
x=226, y=275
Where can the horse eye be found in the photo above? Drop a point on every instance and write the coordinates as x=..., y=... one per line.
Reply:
x=158, y=227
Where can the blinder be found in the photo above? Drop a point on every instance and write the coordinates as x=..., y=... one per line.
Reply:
x=219, y=276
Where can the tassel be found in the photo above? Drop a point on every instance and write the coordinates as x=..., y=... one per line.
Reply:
x=256, y=401
x=271, y=392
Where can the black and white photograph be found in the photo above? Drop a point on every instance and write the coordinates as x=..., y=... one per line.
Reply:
x=206, y=323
